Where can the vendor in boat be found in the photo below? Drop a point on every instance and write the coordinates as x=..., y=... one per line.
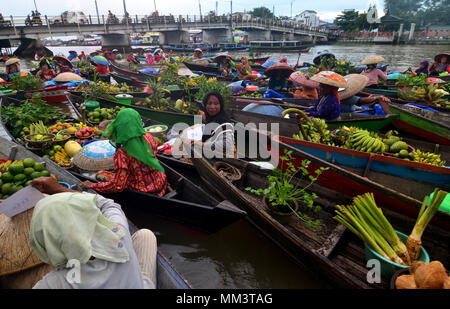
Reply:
x=109, y=256
x=278, y=74
x=13, y=68
x=218, y=134
x=307, y=88
x=327, y=106
x=244, y=70
x=423, y=69
x=441, y=65
x=372, y=72
x=72, y=55
x=82, y=56
x=109, y=55
x=198, y=53
x=46, y=73
x=63, y=65
x=135, y=164
x=158, y=55
x=325, y=60
x=224, y=62
x=132, y=59
x=351, y=102
x=150, y=59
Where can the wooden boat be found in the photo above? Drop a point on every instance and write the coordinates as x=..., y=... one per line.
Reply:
x=194, y=67
x=54, y=94
x=166, y=117
x=91, y=76
x=127, y=72
x=333, y=253
x=183, y=202
x=288, y=127
x=429, y=125
x=167, y=276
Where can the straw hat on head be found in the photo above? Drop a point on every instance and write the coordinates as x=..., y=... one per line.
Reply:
x=282, y=67
x=12, y=61
x=438, y=57
x=372, y=60
x=330, y=78
x=355, y=83
x=67, y=77
x=303, y=80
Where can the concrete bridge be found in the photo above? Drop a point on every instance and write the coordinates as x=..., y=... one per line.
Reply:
x=173, y=30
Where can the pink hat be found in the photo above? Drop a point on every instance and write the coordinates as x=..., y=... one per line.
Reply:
x=303, y=80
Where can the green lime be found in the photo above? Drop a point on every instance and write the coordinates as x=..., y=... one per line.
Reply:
x=6, y=187
x=28, y=182
x=38, y=167
x=7, y=177
x=20, y=177
x=28, y=171
x=20, y=187
x=1, y=183
x=16, y=169
x=35, y=175
x=12, y=190
x=28, y=162
x=51, y=153
x=45, y=173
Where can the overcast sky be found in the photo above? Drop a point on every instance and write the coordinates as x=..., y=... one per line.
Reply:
x=327, y=9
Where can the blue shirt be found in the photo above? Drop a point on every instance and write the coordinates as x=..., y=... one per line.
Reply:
x=349, y=105
x=277, y=85
x=326, y=108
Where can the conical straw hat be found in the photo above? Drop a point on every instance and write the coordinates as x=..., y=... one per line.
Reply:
x=11, y=61
x=355, y=83
x=372, y=60
x=285, y=69
x=330, y=78
x=15, y=252
x=303, y=79
x=67, y=77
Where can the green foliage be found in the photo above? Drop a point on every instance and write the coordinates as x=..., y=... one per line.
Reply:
x=26, y=83
x=410, y=80
x=31, y=111
x=212, y=85
x=262, y=12
x=97, y=90
x=283, y=189
x=157, y=99
x=422, y=12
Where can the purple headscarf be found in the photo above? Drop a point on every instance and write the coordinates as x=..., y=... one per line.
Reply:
x=425, y=70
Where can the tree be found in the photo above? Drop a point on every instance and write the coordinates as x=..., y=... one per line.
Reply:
x=262, y=12
x=347, y=21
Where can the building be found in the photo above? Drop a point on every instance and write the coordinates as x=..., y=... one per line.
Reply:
x=308, y=18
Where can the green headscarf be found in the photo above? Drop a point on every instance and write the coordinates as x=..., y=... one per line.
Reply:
x=69, y=226
x=127, y=132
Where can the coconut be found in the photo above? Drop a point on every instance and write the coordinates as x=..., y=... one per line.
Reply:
x=430, y=276
x=446, y=284
x=414, y=266
x=405, y=282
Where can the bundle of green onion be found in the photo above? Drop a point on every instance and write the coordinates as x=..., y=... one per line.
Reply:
x=367, y=221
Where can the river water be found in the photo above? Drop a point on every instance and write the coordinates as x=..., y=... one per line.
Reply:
x=240, y=256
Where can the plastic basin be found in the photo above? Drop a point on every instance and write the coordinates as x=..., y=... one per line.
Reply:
x=91, y=105
x=124, y=98
x=389, y=268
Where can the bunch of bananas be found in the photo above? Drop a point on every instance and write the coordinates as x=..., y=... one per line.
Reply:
x=80, y=125
x=62, y=158
x=427, y=158
x=365, y=141
x=5, y=165
x=38, y=128
x=426, y=94
x=311, y=129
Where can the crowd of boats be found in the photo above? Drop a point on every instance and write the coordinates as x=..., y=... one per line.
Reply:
x=209, y=194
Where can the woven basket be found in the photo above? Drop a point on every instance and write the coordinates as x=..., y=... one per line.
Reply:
x=90, y=164
x=15, y=252
x=36, y=144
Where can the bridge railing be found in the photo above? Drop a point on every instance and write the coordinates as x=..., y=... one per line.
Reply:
x=235, y=21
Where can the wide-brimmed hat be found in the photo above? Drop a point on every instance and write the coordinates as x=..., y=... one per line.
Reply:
x=303, y=79
x=330, y=78
x=72, y=52
x=100, y=60
x=374, y=59
x=355, y=83
x=198, y=50
x=63, y=59
x=12, y=61
x=318, y=58
x=220, y=57
x=67, y=77
x=437, y=58
x=285, y=69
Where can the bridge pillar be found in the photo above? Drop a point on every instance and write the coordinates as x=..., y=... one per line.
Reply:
x=116, y=40
x=28, y=48
x=259, y=35
x=216, y=36
x=173, y=37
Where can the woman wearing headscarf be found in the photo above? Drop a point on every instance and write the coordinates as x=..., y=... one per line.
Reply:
x=46, y=73
x=135, y=163
x=198, y=53
x=62, y=67
x=245, y=70
x=90, y=232
x=327, y=106
x=372, y=72
x=218, y=134
x=423, y=68
x=150, y=59
x=132, y=59
x=441, y=64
